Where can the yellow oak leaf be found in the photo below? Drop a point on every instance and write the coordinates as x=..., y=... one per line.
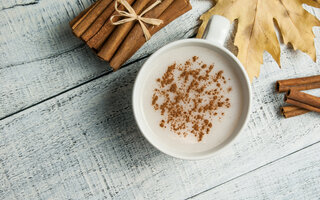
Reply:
x=256, y=28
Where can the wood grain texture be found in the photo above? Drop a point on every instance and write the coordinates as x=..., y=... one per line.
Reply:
x=42, y=30
x=84, y=144
x=39, y=31
x=48, y=59
x=8, y=4
x=296, y=176
x=45, y=78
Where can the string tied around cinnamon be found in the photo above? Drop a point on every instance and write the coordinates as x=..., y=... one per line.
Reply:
x=131, y=15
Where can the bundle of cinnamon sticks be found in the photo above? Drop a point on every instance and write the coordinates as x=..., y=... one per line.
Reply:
x=117, y=43
x=301, y=102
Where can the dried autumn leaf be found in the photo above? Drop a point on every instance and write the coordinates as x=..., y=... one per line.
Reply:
x=256, y=32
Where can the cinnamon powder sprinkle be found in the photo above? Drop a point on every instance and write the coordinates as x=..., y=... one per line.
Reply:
x=190, y=96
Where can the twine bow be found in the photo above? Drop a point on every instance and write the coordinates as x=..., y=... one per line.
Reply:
x=131, y=15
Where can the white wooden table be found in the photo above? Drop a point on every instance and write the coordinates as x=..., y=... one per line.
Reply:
x=67, y=130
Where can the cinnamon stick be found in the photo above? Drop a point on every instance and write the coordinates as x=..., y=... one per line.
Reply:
x=155, y=13
x=92, y=15
x=305, y=83
x=101, y=35
x=115, y=39
x=292, y=111
x=303, y=100
x=73, y=23
x=99, y=22
x=135, y=38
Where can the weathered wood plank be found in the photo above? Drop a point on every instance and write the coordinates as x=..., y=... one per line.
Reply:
x=84, y=144
x=48, y=33
x=35, y=32
x=294, y=177
x=45, y=78
x=8, y=4
x=51, y=59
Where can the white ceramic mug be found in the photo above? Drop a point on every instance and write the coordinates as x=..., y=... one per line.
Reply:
x=214, y=38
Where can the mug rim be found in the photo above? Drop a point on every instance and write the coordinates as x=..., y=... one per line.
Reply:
x=136, y=89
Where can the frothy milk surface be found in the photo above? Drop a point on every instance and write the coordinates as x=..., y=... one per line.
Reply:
x=221, y=128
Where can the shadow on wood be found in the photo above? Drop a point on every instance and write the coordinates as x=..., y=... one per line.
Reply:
x=114, y=112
